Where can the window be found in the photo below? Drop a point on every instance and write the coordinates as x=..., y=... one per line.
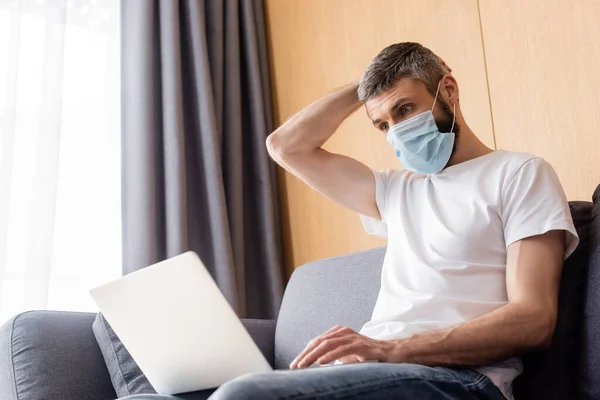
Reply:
x=60, y=220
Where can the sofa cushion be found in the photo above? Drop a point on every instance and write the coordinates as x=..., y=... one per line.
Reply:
x=127, y=377
x=553, y=373
x=589, y=383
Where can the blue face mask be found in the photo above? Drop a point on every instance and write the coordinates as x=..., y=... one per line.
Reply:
x=419, y=145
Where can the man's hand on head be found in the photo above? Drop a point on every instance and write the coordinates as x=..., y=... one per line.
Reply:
x=343, y=344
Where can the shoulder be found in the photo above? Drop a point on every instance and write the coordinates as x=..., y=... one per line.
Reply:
x=388, y=176
x=516, y=159
x=526, y=173
x=390, y=180
x=513, y=163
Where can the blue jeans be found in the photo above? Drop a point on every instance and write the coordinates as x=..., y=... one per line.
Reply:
x=351, y=381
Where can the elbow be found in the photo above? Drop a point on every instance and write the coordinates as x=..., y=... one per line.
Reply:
x=545, y=340
x=274, y=147
x=277, y=148
x=542, y=332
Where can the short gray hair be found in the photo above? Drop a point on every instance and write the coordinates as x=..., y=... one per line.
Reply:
x=397, y=61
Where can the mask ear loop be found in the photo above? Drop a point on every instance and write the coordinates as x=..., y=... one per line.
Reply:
x=453, y=117
x=436, y=95
x=453, y=109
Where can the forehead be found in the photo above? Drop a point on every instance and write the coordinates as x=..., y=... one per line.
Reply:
x=409, y=88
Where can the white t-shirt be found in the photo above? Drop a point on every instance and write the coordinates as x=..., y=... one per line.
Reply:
x=448, y=233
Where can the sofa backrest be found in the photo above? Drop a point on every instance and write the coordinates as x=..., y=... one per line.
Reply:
x=340, y=290
x=589, y=382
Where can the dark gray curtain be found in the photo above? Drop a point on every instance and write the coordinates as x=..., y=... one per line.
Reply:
x=196, y=111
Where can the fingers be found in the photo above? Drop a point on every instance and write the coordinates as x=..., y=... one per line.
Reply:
x=357, y=345
x=316, y=342
x=355, y=349
x=351, y=359
x=327, y=346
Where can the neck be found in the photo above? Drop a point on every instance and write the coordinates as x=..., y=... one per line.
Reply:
x=468, y=147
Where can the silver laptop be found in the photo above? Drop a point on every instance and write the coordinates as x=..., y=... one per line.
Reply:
x=178, y=327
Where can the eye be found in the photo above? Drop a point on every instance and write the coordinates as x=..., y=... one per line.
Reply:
x=405, y=110
x=384, y=126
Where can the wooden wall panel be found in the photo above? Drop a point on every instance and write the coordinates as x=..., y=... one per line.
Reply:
x=318, y=45
x=542, y=61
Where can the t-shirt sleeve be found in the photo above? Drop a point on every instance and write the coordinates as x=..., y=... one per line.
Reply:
x=534, y=203
x=373, y=225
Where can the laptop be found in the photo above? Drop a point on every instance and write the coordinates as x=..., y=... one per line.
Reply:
x=178, y=327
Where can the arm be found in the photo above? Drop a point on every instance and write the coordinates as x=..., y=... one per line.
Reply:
x=527, y=322
x=296, y=146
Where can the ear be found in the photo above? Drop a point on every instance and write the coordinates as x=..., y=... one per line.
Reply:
x=449, y=89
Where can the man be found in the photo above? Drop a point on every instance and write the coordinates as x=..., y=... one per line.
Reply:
x=476, y=240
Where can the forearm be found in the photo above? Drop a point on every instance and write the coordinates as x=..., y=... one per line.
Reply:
x=501, y=334
x=312, y=126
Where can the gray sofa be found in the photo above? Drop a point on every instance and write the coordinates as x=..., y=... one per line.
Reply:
x=54, y=355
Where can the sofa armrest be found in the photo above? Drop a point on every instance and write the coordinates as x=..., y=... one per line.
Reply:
x=262, y=332
x=52, y=355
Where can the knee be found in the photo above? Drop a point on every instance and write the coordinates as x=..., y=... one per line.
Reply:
x=247, y=387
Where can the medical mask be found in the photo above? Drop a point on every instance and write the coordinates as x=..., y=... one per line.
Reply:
x=419, y=145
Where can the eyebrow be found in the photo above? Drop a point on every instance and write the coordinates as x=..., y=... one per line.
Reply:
x=393, y=108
